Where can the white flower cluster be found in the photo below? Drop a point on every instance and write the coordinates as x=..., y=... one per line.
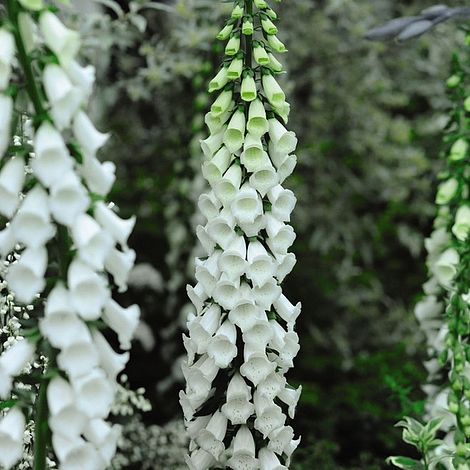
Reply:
x=58, y=205
x=242, y=337
x=451, y=227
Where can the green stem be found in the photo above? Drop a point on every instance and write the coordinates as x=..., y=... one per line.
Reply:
x=249, y=38
x=41, y=431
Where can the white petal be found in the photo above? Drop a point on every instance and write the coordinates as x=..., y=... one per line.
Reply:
x=12, y=178
x=88, y=137
x=123, y=321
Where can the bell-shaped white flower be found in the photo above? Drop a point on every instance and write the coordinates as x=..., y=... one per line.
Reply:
x=26, y=277
x=76, y=453
x=64, y=42
x=122, y=320
x=274, y=64
x=284, y=141
x=67, y=199
x=253, y=156
x=268, y=460
x=209, y=205
x=232, y=261
x=271, y=385
x=65, y=418
x=213, y=143
x=286, y=310
x=260, y=333
x=280, y=439
x=285, y=167
x=7, y=240
x=119, y=264
x=118, y=228
x=290, y=396
x=17, y=357
x=446, y=191
x=216, y=124
x=197, y=295
x=247, y=205
x=52, y=159
x=214, y=168
x=7, y=52
x=12, y=177
x=461, y=227
x=94, y=393
x=199, y=460
x=63, y=96
x=281, y=236
x=227, y=187
x=204, y=327
x=12, y=427
x=273, y=91
x=92, y=242
x=235, y=132
x=269, y=416
x=99, y=176
x=221, y=228
x=286, y=357
x=78, y=358
x=282, y=202
x=234, y=70
x=211, y=437
x=104, y=437
x=208, y=272
x=248, y=90
x=260, y=55
x=82, y=77
x=257, y=124
x=226, y=293
x=220, y=80
x=264, y=178
x=88, y=137
x=445, y=268
x=252, y=229
x=110, y=361
x=266, y=294
x=244, y=451
x=245, y=313
x=285, y=265
x=32, y=223
x=222, y=347
x=256, y=366
x=207, y=243
x=6, y=110
x=88, y=290
x=222, y=103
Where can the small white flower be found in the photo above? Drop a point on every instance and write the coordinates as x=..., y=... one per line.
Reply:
x=445, y=268
x=264, y=178
x=63, y=96
x=197, y=295
x=119, y=264
x=227, y=187
x=122, y=320
x=52, y=159
x=64, y=42
x=88, y=290
x=273, y=91
x=226, y=293
x=281, y=236
x=12, y=177
x=248, y=91
x=243, y=456
x=88, y=137
x=104, y=437
x=220, y=80
x=222, y=347
x=245, y=313
x=247, y=205
x=234, y=70
x=199, y=460
x=238, y=407
x=269, y=461
x=271, y=385
x=12, y=427
x=461, y=227
x=232, y=261
x=111, y=362
x=284, y=141
x=76, y=453
x=260, y=333
x=280, y=439
x=78, y=358
x=267, y=294
x=269, y=416
x=211, y=437
x=285, y=265
x=208, y=272
x=257, y=124
x=235, y=133
x=253, y=156
x=214, y=168
x=92, y=242
x=215, y=123
x=256, y=366
x=32, y=223
x=118, y=228
x=221, y=228
x=82, y=77
x=67, y=199
x=213, y=143
x=203, y=328
x=222, y=103
x=7, y=52
x=290, y=396
x=6, y=110
x=207, y=242
x=17, y=357
x=252, y=229
x=283, y=202
x=209, y=205
x=99, y=176
x=26, y=277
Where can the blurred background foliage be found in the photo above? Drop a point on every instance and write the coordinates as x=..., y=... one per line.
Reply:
x=369, y=118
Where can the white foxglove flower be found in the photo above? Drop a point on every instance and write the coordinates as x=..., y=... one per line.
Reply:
x=223, y=103
x=214, y=168
x=286, y=310
x=445, y=268
x=208, y=272
x=271, y=385
x=222, y=347
x=281, y=236
x=227, y=187
x=6, y=111
x=203, y=328
x=94, y=393
x=99, y=176
x=211, y=437
x=235, y=133
x=245, y=313
x=88, y=290
x=267, y=294
x=52, y=159
x=285, y=265
x=78, y=358
x=7, y=240
x=26, y=277
x=119, y=265
x=283, y=140
x=256, y=366
x=118, y=228
x=67, y=199
x=82, y=77
x=7, y=52
x=76, y=453
x=199, y=460
x=209, y=205
x=226, y=293
x=248, y=91
x=269, y=461
x=273, y=91
x=213, y=143
x=216, y=123
x=247, y=205
x=220, y=80
x=257, y=124
x=238, y=407
x=92, y=242
x=197, y=295
x=269, y=416
x=207, y=242
x=221, y=229
x=122, y=320
x=12, y=177
x=290, y=396
x=63, y=96
x=32, y=223
x=283, y=202
x=17, y=357
x=111, y=362
x=461, y=227
x=104, y=437
x=232, y=261
x=264, y=178
x=244, y=451
x=260, y=333
x=280, y=439
x=12, y=427
x=89, y=138
x=253, y=156
x=64, y=42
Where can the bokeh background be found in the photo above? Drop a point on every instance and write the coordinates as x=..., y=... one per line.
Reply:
x=369, y=118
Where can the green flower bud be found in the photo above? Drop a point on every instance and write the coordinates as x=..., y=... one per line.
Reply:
x=447, y=190
x=453, y=81
x=261, y=4
x=248, y=88
x=461, y=227
x=225, y=32
x=219, y=81
x=268, y=26
x=235, y=68
x=459, y=150
x=260, y=55
x=237, y=12
x=247, y=27
x=276, y=44
x=466, y=104
x=233, y=45
x=274, y=64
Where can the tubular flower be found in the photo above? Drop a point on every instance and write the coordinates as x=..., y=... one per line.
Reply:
x=242, y=337
x=71, y=245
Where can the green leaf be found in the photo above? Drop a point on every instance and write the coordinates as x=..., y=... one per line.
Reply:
x=406, y=463
x=7, y=404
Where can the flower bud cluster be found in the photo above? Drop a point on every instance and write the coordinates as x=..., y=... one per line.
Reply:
x=70, y=241
x=444, y=312
x=242, y=337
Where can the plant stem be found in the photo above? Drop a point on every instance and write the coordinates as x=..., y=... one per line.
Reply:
x=41, y=431
x=249, y=38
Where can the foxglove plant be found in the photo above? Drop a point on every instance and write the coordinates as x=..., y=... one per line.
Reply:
x=443, y=313
x=69, y=242
x=242, y=337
